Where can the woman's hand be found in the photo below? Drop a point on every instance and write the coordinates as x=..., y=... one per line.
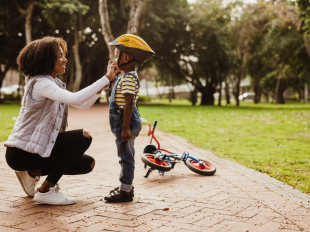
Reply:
x=112, y=70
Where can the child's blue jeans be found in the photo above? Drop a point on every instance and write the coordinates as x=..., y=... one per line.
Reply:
x=125, y=150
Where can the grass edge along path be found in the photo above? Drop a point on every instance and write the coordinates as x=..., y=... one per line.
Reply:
x=268, y=138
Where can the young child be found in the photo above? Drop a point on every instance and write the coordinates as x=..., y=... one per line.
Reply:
x=130, y=51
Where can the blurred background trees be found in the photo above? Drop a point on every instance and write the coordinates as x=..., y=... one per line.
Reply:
x=212, y=46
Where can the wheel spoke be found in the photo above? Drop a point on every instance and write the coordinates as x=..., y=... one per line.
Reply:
x=153, y=160
x=197, y=165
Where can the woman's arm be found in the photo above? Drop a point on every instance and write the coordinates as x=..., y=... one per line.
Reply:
x=86, y=105
x=46, y=88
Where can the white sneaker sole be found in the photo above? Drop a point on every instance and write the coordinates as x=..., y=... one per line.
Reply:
x=52, y=203
x=21, y=181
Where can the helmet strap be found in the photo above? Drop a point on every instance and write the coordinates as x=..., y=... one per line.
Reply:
x=124, y=64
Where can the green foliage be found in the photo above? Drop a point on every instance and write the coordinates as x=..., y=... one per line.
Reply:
x=268, y=138
x=304, y=15
x=65, y=6
x=144, y=99
x=204, y=43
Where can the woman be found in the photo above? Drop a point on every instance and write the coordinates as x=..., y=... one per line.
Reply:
x=39, y=144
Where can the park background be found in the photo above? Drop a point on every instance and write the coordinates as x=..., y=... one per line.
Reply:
x=208, y=53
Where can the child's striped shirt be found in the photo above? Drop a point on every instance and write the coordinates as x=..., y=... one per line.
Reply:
x=128, y=84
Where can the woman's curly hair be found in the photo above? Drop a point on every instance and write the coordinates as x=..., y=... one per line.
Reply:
x=39, y=56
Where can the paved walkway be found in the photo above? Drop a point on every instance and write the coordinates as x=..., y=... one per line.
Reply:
x=234, y=199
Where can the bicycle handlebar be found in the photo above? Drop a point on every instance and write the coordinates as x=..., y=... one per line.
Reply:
x=155, y=123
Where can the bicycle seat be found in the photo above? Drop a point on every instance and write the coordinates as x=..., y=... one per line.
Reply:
x=150, y=148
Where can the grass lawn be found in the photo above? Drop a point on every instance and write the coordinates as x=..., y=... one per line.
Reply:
x=7, y=112
x=273, y=139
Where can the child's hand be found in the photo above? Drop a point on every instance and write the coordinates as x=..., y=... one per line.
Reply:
x=126, y=135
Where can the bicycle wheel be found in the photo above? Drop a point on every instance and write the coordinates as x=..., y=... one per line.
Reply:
x=149, y=160
x=207, y=169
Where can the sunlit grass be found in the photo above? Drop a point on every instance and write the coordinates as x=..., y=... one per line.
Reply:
x=166, y=102
x=7, y=112
x=273, y=139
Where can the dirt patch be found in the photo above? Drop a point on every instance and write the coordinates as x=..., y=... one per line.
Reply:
x=221, y=129
x=304, y=134
x=266, y=121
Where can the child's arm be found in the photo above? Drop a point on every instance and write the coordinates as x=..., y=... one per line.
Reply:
x=126, y=135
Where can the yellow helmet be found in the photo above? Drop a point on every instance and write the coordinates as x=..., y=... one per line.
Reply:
x=135, y=46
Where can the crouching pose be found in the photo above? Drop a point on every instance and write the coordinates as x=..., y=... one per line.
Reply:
x=125, y=122
x=39, y=144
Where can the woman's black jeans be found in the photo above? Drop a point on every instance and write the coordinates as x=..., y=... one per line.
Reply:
x=67, y=157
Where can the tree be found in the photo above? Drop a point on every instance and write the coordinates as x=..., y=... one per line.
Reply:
x=75, y=9
x=106, y=28
x=11, y=39
x=288, y=12
x=191, y=43
x=137, y=12
x=286, y=56
x=27, y=13
x=136, y=16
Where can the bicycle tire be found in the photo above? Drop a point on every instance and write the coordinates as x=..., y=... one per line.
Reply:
x=208, y=170
x=149, y=160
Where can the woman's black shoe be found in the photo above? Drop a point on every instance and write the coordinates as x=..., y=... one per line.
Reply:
x=119, y=196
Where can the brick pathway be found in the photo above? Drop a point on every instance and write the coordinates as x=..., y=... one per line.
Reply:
x=234, y=199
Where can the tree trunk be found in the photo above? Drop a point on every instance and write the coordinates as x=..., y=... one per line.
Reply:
x=220, y=95
x=170, y=88
x=28, y=18
x=71, y=71
x=159, y=94
x=146, y=88
x=194, y=96
x=78, y=66
x=136, y=16
x=207, y=97
x=306, y=93
x=227, y=93
x=237, y=94
x=257, y=90
x=280, y=96
x=277, y=91
x=307, y=43
x=28, y=25
x=106, y=28
x=236, y=91
x=300, y=95
x=265, y=92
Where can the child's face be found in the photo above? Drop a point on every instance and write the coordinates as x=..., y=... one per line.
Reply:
x=124, y=59
x=117, y=53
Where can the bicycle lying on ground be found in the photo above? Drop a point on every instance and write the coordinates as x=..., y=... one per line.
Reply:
x=164, y=162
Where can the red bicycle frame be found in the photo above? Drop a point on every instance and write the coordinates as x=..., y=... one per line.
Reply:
x=151, y=132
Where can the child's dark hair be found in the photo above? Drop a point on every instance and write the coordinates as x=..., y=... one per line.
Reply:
x=39, y=56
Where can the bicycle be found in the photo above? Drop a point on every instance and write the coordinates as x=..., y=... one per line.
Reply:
x=156, y=160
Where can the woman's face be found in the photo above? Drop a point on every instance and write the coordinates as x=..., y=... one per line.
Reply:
x=60, y=64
